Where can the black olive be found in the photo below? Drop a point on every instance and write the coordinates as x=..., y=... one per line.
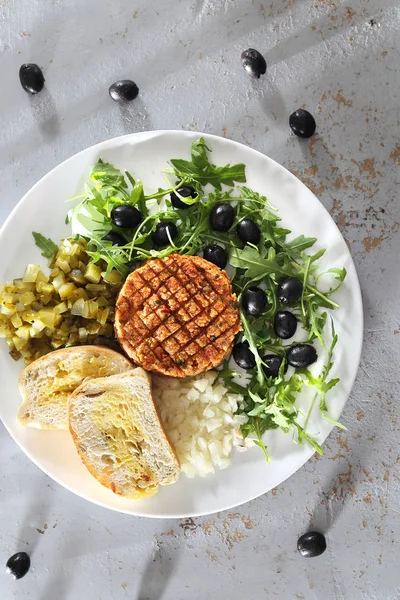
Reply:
x=301, y=355
x=311, y=544
x=222, y=216
x=18, y=565
x=124, y=90
x=289, y=291
x=285, y=324
x=164, y=233
x=254, y=301
x=186, y=191
x=243, y=356
x=216, y=254
x=272, y=364
x=248, y=231
x=134, y=264
x=116, y=238
x=31, y=78
x=254, y=63
x=126, y=216
x=302, y=123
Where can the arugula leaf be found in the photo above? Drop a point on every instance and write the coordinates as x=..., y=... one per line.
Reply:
x=340, y=277
x=303, y=436
x=296, y=247
x=227, y=375
x=322, y=384
x=199, y=154
x=46, y=245
x=201, y=170
x=107, y=175
x=255, y=265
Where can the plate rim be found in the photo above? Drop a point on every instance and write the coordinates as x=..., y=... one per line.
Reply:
x=357, y=297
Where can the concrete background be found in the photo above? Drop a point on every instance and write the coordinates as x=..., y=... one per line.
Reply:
x=338, y=59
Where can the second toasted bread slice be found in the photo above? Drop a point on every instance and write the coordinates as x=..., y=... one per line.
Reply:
x=119, y=437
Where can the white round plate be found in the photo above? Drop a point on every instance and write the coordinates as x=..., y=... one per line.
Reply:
x=43, y=209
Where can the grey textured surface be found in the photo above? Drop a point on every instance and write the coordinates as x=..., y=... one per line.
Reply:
x=339, y=59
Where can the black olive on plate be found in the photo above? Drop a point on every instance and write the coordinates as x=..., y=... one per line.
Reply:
x=243, y=356
x=18, y=565
x=301, y=355
x=216, y=255
x=302, y=123
x=115, y=238
x=164, y=233
x=311, y=544
x=222, y=216
x=253, y=62
x=285, y=324
x=248, y=231
x=186, y=191
x=126, y=216
x=272, y=364
x=133, y=265
x=254, y=301
x=31, y=78
x=124, y=90
x=289, y=290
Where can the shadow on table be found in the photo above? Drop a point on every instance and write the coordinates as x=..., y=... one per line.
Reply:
x=37, y=516
x=45, y=115
x=159, y=570
x=58, y=584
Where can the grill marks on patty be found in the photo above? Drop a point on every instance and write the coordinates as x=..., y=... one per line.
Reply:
x=177, y=316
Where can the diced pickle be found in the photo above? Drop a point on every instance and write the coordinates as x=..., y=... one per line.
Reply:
x=31, y=273
x=78, y=277
x=66, y=290
x=74, y=304
x=113, y=278
x=27, y=298
x=93, y=273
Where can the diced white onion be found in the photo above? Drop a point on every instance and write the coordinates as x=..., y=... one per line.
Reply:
x=199, y=416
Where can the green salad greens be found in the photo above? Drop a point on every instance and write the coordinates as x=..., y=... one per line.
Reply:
x=269, y=403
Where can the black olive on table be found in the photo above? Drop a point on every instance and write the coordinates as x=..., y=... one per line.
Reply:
x=18, y=565
x=253, y=62
x=115, y=238
x=126, y=216
x=254, y=301
x=31, y=78
x=289, y=290
x=164, y=233
x=186, y=191
x=216, y=255
x=302, y=123
x=311, y=544
x=248, y=231
x=222, y=216
x=285, y=324
x=124, y=90
x=301, y=355
x=272, y=364
x=243, y=356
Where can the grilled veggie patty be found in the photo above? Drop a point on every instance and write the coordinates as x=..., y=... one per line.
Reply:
x=177, y=316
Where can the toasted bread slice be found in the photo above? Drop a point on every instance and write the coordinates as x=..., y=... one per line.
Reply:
x=47, y=383
x=119, y=437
